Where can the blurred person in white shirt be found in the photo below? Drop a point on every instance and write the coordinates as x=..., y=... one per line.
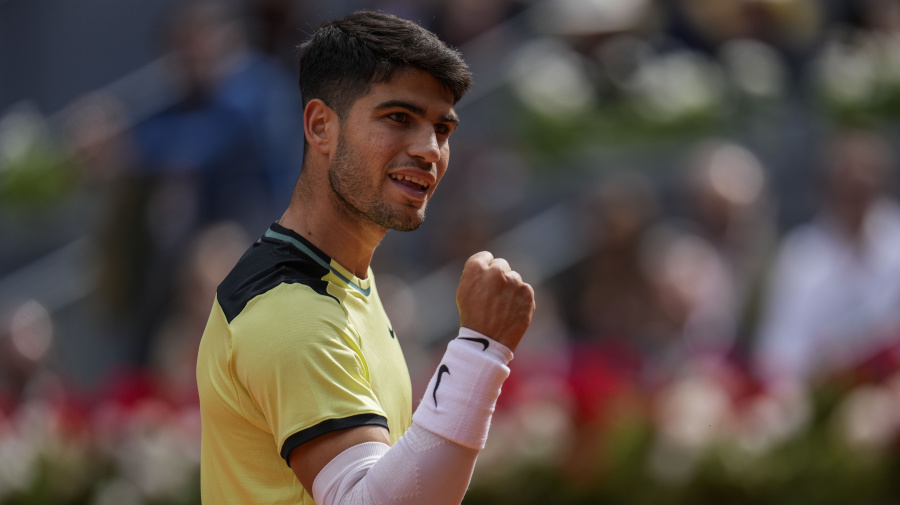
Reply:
x=834, y=292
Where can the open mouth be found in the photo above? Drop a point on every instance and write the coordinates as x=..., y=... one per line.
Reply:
x=410, y=181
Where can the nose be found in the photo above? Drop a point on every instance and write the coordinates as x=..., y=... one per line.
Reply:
x=425, y=146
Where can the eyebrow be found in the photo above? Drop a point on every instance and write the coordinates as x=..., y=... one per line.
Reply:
x=450, y=117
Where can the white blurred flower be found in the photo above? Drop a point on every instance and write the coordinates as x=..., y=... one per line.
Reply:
x=772, y=419
x=677, y=85
x=159, y=453
x=18, y=463
x=552, y=79
x=692, y=413
x=754, y=68
x=848, y=74
x=495, y=460
x=545, y=427
x=33, y=430
x=36, y=421
x=538, y=429
x=189, y=432
x=154, y=462
x=867, y=419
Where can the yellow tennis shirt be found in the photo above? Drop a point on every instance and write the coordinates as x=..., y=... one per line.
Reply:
x=296, y=346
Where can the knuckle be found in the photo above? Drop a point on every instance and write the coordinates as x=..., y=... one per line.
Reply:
x=483, y=256
x=479, y=258
x=528, y=292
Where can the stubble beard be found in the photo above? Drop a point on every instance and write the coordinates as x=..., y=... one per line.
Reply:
x=348, y=181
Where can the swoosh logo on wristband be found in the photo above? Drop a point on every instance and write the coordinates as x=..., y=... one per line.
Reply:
x=481, y=341
x=441, y=371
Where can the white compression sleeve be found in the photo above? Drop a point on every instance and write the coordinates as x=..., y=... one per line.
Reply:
x=421, y=468
x=432, y=463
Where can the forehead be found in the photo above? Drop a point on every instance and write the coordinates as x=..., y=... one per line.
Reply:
x=412, y=86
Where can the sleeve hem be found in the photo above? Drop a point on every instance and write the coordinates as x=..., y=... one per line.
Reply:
x=301, y=437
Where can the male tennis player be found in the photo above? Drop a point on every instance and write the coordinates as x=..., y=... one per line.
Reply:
x=304, y=391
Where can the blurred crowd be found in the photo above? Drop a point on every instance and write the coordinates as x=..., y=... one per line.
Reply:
x=675, y=276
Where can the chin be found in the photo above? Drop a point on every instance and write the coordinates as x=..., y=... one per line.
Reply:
x=400, y=218
x=407, y=223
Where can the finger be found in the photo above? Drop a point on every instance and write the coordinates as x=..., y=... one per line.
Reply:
x=514, y=276
x=502, y=264
x=482, y=258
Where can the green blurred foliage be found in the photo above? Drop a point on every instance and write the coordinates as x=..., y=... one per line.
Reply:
x=40, y=176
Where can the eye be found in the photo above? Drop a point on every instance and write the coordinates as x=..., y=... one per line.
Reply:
x=399, y=117
x=442, y=129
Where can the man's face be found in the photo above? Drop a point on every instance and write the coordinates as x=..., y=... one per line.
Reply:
x=393, y=150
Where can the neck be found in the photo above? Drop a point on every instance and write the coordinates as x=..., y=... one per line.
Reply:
x=346, y=237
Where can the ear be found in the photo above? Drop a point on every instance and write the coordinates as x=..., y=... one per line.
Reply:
x=319, y=121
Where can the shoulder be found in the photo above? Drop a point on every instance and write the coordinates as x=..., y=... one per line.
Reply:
x=291, y=324
x=295, y=309
x=275, y=299
x=267, y=265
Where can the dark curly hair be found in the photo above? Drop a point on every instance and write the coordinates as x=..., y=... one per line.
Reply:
x=344, y=57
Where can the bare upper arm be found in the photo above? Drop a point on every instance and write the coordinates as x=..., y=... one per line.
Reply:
x=310, y=458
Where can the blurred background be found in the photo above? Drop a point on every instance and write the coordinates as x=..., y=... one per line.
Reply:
x=701, y=192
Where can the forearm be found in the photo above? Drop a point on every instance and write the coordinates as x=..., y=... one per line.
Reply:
x=432, y=462
x=421, y=468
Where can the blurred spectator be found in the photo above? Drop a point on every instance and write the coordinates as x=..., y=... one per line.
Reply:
x=606, y=296
x=210, y=256
x=877, y=16
x=693, y=283
x=490, y=185
x=196, y=162
x=264, y=92
x=227, y=148
x=26, y=338
x=727, y=192
x=693, y=291
x=793, y=27
x=835, y=288
x=420, y=11
x=459, y=21
x=277, y=28
x=102, y=151
x=211, y=153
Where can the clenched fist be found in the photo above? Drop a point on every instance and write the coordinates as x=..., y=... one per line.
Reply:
x=493, y=299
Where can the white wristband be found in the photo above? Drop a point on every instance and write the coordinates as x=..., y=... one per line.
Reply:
x=460, y=398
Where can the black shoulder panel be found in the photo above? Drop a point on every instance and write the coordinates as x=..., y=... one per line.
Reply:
x=268, y=263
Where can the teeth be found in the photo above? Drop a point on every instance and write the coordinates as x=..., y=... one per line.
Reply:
x=416, y=180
